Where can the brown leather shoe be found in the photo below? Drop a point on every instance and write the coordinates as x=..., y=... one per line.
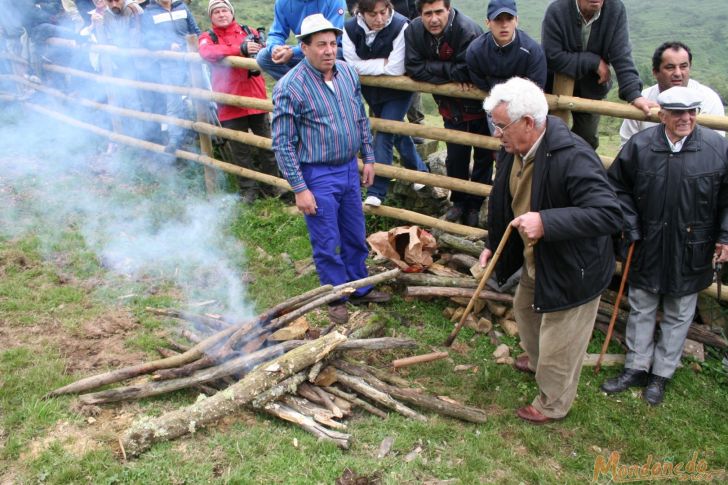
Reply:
x=533, y=415
x=521, y=364
x=339, y=314
x=374, y=296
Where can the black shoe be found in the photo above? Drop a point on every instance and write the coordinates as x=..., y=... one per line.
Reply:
x=454, y=214
x=418, y=140
x=628, y=378
x=655, y=390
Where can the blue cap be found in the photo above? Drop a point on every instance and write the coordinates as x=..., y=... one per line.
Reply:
x=497, y=7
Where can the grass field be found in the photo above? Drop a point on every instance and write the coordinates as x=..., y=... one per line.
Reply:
x=67, y=311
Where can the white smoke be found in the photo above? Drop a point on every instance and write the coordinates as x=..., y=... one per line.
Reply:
x=142, y=217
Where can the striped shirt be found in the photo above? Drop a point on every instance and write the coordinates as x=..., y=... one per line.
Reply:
x=315, y=123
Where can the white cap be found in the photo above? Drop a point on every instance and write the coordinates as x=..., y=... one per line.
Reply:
x=679, y=98
x=316, y=23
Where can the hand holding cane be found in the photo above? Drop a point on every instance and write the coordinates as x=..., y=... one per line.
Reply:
x=625, y=271
x=483, y=279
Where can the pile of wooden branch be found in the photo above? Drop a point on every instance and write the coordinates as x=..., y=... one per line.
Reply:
x=264, y=365
x=456, y=275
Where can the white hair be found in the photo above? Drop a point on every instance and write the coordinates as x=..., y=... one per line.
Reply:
x=522, y=98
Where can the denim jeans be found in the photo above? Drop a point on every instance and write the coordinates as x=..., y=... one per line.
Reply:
x=175, y=74
x=384, y=143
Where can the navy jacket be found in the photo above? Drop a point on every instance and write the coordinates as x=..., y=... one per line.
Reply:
x=162, y=28
x=579, y=211
x=491, y=64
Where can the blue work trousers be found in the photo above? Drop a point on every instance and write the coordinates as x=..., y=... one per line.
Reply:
x=336, y=231
x=384, y=143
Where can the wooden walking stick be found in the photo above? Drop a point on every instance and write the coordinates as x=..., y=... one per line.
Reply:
x=625, y=271
x=488, y=271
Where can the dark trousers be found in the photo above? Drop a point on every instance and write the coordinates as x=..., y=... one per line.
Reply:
x=458, y=162
x=336, y=231
x=247, y=156
x=586, y=125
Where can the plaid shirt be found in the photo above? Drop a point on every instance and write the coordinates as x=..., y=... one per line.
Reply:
x=314, y=124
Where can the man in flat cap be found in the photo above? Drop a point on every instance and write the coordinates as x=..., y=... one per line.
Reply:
x=672, y=184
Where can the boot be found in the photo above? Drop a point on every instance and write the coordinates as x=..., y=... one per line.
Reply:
x=655, y=390
x=628, y=378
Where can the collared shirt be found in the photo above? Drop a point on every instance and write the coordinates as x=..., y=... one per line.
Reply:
x=677, y=146
x=313, y=123
x=586, y=25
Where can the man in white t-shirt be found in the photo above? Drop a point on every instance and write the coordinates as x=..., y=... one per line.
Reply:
x=671, y=65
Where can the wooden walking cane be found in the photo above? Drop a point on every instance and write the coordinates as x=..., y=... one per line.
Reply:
x=488, y=271
x=625, y=271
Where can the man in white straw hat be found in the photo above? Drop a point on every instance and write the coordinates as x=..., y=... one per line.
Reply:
x=319, y=127
x=672, y=183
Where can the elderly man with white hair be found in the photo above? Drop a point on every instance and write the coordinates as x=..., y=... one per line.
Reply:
x=552, y=187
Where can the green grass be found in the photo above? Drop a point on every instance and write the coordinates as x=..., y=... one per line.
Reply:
x=259, y=449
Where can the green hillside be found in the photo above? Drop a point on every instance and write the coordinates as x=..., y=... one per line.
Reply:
x=651, y=22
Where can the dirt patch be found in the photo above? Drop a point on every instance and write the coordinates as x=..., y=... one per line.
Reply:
x=97, y=344
x=77, y=439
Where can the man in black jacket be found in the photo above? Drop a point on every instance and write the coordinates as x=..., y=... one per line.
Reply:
x=583, y=39
x=436, y=43
x=672, y=184
x=553, y=189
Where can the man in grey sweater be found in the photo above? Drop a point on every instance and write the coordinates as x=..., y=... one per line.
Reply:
x=584, y=39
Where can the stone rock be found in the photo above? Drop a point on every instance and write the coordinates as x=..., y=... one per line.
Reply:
x=509, y=327
x=504, y=360
x=501, y=351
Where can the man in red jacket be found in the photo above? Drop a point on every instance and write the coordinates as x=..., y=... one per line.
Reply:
x=228, y=38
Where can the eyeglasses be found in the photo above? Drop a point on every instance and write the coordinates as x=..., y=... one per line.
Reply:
x=678, y=113
x=499, y=130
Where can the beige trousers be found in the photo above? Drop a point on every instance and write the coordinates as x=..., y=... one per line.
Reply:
x=555, y=343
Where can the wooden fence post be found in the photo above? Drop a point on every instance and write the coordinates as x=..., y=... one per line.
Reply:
x=563, y=86
x=201, y=107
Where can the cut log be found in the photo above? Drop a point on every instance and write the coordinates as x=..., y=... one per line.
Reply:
x=424, y=279
x=381, y=374
x=213, y=323
x=417, y=398
x=419, y=359
x=328, y=402
x=356, y=401
x=463, y=261
x=286, y=386
x=427, y=291
x=307, y=408
x=359, y=385
x=147, y=431
x=381, y=343
x=473, y=248
x=110, y=377
x=342, y=440
x=155, y=388
x=440, y=270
